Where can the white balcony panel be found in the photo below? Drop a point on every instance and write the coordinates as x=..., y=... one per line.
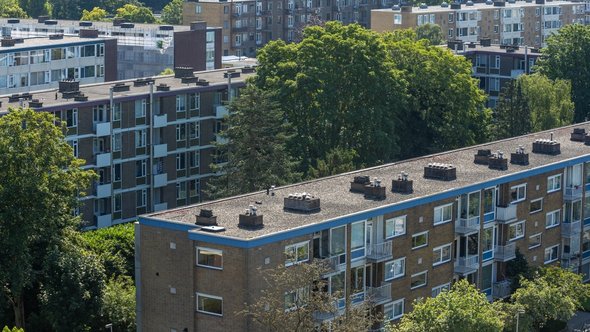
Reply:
x=160, y=150
x=160, y=180
x=103, y=190
x=160, y=207
x=160, y=120
x=103, y=129
x=104, y=221
x=103, y=159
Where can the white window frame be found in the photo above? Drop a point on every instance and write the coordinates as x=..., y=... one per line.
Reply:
x=540, y=235
x=536, y=200
x=393, y=220
x=442, y=209
x=438, y=289
x=391, y=307
x=553, y=222
x=440, y=248
x=392, y=263
x=211, y=297
x=551, y=180
x=420, y=234
x=522, y=222
x=550, y=250
x=417, y=274
x=295, y=247
x=215, y=251
x=518, y=198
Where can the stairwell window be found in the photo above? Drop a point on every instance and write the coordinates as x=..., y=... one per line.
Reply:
x=210, y=258
x=518, y=193
x=419, y=280
x=209, y=304
x=536, y=205
x=439, y=289
x=420, y=240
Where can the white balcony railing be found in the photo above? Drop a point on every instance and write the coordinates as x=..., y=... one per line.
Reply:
x=466, y=264
x=103, y=159
x=160, y=150
x=506, y=214
x=381, y=294
x=505, y=253
x=464, y=226
x=380, y=251
x=102, y=128
x=569, y=229
x=160, y=207
x=103, y=190
x=160, y=180
x=160, y=120
x=501, y=289
x=572, y=193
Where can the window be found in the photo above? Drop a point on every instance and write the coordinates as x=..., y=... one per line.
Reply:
x=180, y=161
x=439, y=289
x=397, y=19
x=208, y=304
x=516, y=231
x=536, y=205
x=296, y=253
x=180, y=190
x=74, y=145
x=140, y=168
x=418, y=280
x=198, y=9
x=180, y=103
x=140, y=138
x=194, y=158
x=535, y=241
x=551, y=254
x=180, y=132
x=395, y=227
x=420, y=240
x=441, y=254
x=87, y=51
x=554, y=183
x=140, y=107
x=117, y=142
x=194, y=101
x=296, y=298
x=358, y=237
x=487, y=239
x=141, y=196
x=393, y=310
x=210, y=258
x=553, y=219
x=194, y=187
x=117, y=172
x=586, y=241
x=395, y=269
x=117, y=207
x=116, y=111
x=193, y=130
x=494, y=84
x=518, y=193
x=443, y=214
x=72, y=118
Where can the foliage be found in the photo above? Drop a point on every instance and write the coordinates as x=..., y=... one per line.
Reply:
x=172, y=12
x=463, y=308
x=34, y=8
x=533, y=103
x=293, y=296
x=517, y=269
x=96, y=14
x=118, y=305
x=40, y=181
x=430, y=32
x=11, y=8
x=567, y=56
x=136, y=14
x=115, y=248
x=167, y=71
x=14, y=329
x=337, y=161
x=254, y=145
x=65, y=9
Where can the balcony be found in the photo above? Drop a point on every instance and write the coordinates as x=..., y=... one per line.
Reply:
x=160, y=120
x=506, y=214
x=160, y=150
x=160, y=180
x=103, y=159
x=514, y=73
x=380, y=252
x=572, y=264
x=103, y=221
x=102, y=128
x=465, y=265
x=379, y=295
x=466, y=226
x=160, y=207
x=572, y=193
x=501, y=289
x=505, y=253
x=571, y=229
x=221, y=112
x=103, y=190
x=333, y=264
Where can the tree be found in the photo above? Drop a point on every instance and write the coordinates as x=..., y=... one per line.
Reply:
x=337, y=161
x=34, y=8
x=96, y=14
x=430, y=32
x=65, y=9
x=115, y=248
x=118, y=304
x=172, y=12
x=293, y=298
x=567, y=56
x=15, y=329
x=512, y=116
x=254, y=147
x=136, y=14
x=11, y=8
x=40, y=180
x=463, y=308
x=167, y=71
x=517, y=269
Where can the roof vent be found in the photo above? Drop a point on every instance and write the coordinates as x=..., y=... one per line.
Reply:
x=519, y=157
x=180, y=72
x=88, y=33
x=402, y=185
x=202, y=82
x=423, y=6
x=166, y=27
x=50, y=22
x=587, y=140
x=213, y=229
x=444, y=5
x=547, y=146
x=143, y=82
x=162, y=87
x=13, y=21
x=455, y=45
x=118, y=21
x=68, y=85
x=498, y=162
x=206, y=218
x=486, y=42
x=248, y=70
x=375, y=191
x=80, y=97
x=469, y=3
x=120, y=87
x=231, y=73
x=56, y=36
x=7, y=41
x=302, y=202
x=189, y=80
x=70, y=94
x=16, y=97
x=42, y=18
x=18, y=40
x=396, y=7
x=578, y=135
x=456, y=5
x=85, y=24
x=499, y=4
x=438, y=171
x=490, y=2
x=251, y=218
x=35, y=103
x=359, y=183
x=511, y=1
x=481, y=158
x=127, y=25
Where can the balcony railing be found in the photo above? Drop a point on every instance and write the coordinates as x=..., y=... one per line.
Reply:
x=505, y=253
x=569, y=229
x=102, y=190
x=380, y=295
x=103, y=221
x=464, y=226
x=501, y=289
x=333, y=264
x=380, y=251
x=160, y=120
x=160, y=150
x=572, y=193
x=103, y=159
x=506, y=214
x=102, y=128
x=464, y=265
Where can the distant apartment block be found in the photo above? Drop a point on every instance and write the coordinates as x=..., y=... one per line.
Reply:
x=40, y=63
x=143, y=50
x=149, y=140
x=249, y=24
x=504, y=22
x=390, y=234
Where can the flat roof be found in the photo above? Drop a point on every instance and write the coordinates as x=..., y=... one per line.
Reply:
x=339, y=205
x=500, y=49
x=98, y=25
x=478, y=6
x=101, y=91
x=43, y=42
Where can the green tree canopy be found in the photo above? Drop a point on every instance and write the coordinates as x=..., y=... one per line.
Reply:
x=65, y=9
x=118, y=304
x=11, y=8
x=172, y=12
x=96, y=14
x=463, y=308
x=115, y=247
x=35, y=8
x=40, y=180
x=430, y=32
x=136, y=14
x=567, y=56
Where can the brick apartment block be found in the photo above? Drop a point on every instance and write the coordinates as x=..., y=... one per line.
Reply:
x=399, y=232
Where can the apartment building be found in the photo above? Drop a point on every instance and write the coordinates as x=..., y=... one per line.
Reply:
x=250, y=24
x=143, y=50
x=504, y=22
x=391, y=234
x=495, y=66
x=40, y=63
x=149, y=140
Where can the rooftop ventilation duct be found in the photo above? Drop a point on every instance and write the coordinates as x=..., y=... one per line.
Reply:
x=120, y=87
x=438, y=171
x=374, y=190
x=302, y=202
x=206, y=218
x=402, y=185
x=482, y=156
x=359, y=183
x=547, y=146
x=498, y=162
x=519, y=157
x=578, y=135
x=251, y=218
